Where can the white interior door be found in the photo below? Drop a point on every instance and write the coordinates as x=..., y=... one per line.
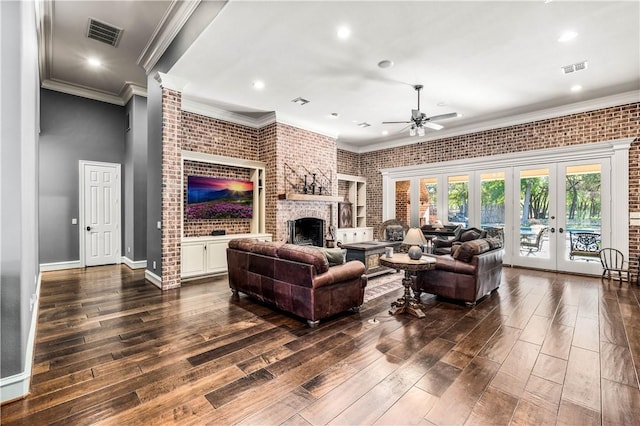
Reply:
x=100, y=204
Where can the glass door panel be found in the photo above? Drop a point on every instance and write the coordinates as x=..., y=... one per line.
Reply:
x=458, y=200
x=403, y=201
x=492, y=204
x=580, y=228
x=428, y=201
x=535, y=195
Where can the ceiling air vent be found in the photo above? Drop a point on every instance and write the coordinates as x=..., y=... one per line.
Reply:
x=579, y=66
x=300, y=101
x=104, y=33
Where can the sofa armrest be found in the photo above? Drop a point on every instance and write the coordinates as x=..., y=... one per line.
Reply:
x=346, y=271
x=448, y=263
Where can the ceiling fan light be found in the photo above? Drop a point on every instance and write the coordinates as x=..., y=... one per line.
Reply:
x=420, y=131
x=412, y=131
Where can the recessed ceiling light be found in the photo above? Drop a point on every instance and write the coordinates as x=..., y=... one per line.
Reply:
x=576, y=88
x=567, y=35
x=94, y=62
x=258, y=85
x=343, y=33
x=386, y=63
x=385, y=132
x=442, y=104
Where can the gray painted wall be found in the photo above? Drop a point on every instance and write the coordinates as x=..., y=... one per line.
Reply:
x=134, y=245
x=72, y=129
x=19, y=270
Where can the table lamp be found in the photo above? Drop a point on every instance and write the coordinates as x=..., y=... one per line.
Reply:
x=415, y=239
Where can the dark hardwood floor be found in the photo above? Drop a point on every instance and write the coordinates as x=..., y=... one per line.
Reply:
x=544, y=349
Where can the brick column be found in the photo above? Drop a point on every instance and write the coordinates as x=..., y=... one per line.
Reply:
x=171, y=188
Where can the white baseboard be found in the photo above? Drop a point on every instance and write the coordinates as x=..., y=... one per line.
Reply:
x=153, y=279
x=134, y=264
x=58, y=266
x=17, y=386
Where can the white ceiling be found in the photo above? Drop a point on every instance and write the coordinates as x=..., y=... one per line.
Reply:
x=492, y=62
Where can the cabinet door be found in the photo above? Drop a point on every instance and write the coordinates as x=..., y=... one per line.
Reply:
x=193, y=260
x=216, y=256
x=365, y=234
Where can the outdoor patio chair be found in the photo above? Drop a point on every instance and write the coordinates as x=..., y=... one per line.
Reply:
x=533, y=245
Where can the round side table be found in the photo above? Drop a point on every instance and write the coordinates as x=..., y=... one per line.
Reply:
x=407, y=303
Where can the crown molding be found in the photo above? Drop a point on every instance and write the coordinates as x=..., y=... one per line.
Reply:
x=169, y=26
x=44, y=29
x=232, y=117
x=130, y=89
x=290, y=121
x=84, y=92
x=545, y=114
x=127, y=92
x=170, y=82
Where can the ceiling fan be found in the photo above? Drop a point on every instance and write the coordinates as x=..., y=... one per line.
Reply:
x=419, y=120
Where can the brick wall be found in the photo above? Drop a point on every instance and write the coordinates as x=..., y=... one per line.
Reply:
x=296, y=148
x=583, y=128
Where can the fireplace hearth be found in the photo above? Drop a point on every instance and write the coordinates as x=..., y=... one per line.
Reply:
x=306, y=231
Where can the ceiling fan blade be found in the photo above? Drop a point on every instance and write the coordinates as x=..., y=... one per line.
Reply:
x=434, y=126
x=404, y=129
x=443, y=116
x=397, y=122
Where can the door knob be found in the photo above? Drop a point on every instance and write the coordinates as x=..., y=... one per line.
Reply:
x=553, y=230
x=560, y=230
x=88, y=228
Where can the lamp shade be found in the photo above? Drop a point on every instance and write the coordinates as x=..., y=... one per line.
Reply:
x=414, y=237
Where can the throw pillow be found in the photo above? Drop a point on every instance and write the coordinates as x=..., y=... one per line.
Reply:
x=469, y=235
x=394, y=233
x=471, y=248
x=335, y=256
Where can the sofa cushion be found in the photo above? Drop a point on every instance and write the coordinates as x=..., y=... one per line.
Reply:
x=335, y=256
x=394, y=233
x=305, y=254
x=267, y=248
x=471, y=248
x=244, y=244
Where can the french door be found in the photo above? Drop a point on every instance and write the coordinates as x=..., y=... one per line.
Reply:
x=555, y=201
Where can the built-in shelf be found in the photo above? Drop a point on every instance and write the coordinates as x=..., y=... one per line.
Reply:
x=309, y=197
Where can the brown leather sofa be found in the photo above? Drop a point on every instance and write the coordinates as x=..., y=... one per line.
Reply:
x=470, y=273
x=295, y=278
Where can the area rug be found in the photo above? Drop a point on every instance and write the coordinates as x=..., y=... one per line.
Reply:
x=382, y=284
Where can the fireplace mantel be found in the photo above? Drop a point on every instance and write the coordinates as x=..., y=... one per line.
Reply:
x=309, y=197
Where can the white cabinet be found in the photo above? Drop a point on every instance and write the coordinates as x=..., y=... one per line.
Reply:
x=354, y=235
x=208, y=255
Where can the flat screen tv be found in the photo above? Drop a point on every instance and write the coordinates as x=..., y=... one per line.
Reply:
x=219, y=198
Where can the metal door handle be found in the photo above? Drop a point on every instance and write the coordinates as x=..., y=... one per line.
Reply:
x=553, y=230
x=88, y=228
x=560, y=230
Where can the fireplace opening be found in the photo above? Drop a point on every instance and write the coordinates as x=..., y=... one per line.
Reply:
x=306, y=231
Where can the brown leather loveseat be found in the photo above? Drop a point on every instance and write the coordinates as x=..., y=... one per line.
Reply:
x=294, y=278
x=470, y=273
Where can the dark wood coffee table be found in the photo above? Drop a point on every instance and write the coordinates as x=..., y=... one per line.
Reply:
x=408, y=303
x=368, y=252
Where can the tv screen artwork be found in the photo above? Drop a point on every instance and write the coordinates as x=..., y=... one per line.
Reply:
x=219, y=198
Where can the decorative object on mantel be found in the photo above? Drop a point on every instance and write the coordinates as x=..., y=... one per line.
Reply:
x=307, y=185
x=331, y=237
